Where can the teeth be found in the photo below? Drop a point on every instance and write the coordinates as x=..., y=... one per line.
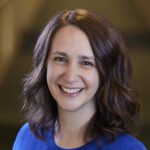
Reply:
x=70, y=90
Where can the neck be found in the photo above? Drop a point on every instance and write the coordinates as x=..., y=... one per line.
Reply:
x=72, y=126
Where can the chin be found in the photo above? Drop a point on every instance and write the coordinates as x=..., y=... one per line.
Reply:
x=70, y=108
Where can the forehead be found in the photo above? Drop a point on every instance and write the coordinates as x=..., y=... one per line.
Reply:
x=71, y=39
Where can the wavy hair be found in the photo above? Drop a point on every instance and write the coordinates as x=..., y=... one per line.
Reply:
x=117, y=107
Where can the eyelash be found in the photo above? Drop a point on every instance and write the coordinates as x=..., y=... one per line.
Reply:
x=86, y=63
x=60, y=59
x=64, y=60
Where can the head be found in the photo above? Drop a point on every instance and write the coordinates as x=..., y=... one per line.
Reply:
x=72, y=75
x=115, y=98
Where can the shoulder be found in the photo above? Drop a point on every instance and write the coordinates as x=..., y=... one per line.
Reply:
x=125, y=142
x=25, y=132
x=26, y=139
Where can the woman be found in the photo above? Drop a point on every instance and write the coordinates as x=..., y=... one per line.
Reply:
x=79, y=94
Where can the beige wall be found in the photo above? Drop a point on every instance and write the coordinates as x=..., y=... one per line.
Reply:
x=15, y=16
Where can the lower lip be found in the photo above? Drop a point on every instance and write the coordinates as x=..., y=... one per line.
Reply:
x=70, y=94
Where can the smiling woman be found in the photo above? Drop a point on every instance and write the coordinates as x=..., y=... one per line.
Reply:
x=79, y=94
x=72, y=76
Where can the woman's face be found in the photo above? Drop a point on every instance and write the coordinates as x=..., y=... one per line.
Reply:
x=72, y=75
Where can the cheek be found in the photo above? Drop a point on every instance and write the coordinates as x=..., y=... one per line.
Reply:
x=53, y=73
x=50, y=78
x=93, y=80
x=49, y=75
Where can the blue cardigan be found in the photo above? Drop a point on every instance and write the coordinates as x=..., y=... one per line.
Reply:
x=27, y=141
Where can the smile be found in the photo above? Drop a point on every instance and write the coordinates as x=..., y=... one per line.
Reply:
x=70, y=90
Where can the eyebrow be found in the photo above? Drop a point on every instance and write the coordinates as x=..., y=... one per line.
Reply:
x=86, y=57
x=60, y=53
x=80, y=56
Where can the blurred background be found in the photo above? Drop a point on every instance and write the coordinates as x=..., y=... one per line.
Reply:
x=20, y=24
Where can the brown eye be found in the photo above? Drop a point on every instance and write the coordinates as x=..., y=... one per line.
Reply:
x=60, y=59
x=87, y=63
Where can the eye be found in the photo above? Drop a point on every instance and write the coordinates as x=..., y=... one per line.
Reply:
x=60, y=59
x=87, y=63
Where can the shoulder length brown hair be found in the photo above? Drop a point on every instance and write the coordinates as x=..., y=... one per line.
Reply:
x=117, y=108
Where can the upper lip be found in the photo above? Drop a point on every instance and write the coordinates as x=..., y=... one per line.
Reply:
x=69, y=87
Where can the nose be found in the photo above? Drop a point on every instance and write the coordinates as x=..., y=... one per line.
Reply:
x=71, y=73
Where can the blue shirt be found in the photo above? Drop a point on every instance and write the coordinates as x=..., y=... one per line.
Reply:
x=27, y=141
